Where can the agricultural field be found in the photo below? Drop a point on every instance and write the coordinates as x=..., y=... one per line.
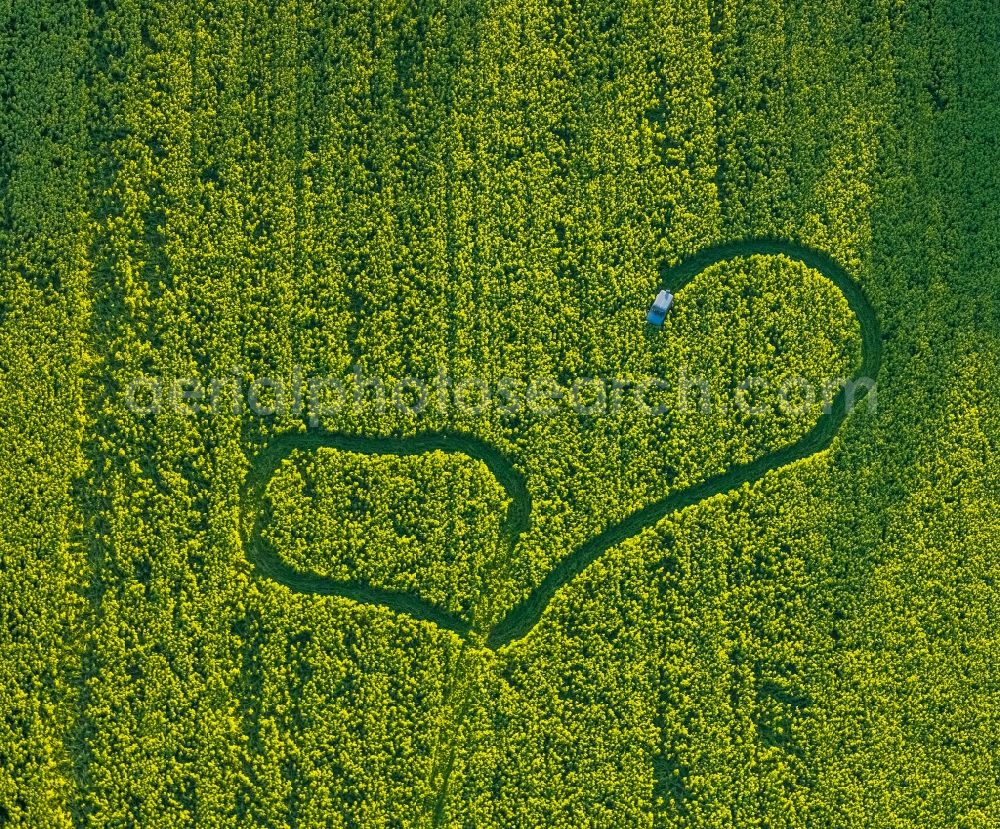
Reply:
x=345, y=483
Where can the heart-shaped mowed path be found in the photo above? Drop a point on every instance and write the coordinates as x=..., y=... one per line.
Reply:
x=521, y=619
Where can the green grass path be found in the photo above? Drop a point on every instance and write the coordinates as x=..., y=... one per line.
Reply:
x=521, y=619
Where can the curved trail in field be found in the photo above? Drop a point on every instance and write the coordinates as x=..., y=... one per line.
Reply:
x=268, y=562
x=520, y=620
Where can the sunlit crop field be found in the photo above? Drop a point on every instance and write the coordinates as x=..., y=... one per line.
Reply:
x=346, y=484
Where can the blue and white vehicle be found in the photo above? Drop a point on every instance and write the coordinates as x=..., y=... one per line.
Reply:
x=658, y=310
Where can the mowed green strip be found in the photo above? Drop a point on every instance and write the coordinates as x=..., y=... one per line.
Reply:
x=519, y=621
x=270, y=564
